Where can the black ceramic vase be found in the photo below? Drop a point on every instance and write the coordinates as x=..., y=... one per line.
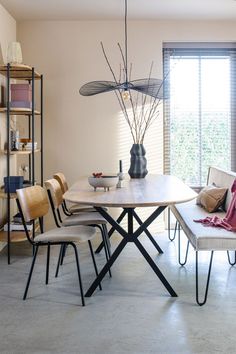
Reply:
x=138, y=162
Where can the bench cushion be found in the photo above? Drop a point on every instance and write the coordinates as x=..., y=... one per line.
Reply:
x=211, y=198
x=222, y=179
x=203, y=237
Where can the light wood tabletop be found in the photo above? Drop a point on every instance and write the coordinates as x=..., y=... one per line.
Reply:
x=154, y=190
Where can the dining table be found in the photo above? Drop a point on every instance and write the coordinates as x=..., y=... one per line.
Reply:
x=158, y=191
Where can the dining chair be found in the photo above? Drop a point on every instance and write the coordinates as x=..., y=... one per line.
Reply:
x=73, y=208
x=93, y=219
x=33, y=204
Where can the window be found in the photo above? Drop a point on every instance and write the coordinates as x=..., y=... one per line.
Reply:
x=199, y=114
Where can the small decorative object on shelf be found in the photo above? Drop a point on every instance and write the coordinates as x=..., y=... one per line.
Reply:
x=18, y=226
x=17, y=218
x=2, y=96
x=23, y=170
x=25, y=144
x=14, y=53
x=17, y=134
x=14, y=140
x=98, y=180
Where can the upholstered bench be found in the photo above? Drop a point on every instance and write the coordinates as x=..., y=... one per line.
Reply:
x=201, y=237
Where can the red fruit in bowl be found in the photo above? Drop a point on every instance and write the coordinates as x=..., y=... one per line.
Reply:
x=97, y=174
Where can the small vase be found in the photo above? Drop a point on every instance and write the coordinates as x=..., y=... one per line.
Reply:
x=14, y=53
x=138, y=162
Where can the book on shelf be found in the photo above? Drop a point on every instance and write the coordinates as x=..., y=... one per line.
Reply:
x=27, y=146
x=18, y=226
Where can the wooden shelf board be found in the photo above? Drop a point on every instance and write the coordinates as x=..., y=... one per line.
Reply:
x=3, y=195
x=19, y=111
x=20, y=152
x=16, y=236
x=19, y=71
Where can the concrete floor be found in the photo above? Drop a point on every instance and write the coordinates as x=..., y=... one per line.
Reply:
x=132, y=314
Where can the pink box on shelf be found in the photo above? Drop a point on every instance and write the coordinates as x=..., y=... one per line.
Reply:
x=21, y=92
x=21, y=104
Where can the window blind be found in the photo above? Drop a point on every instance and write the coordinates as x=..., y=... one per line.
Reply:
x=200, y=112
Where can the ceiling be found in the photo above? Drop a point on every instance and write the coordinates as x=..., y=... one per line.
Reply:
x=114, y=9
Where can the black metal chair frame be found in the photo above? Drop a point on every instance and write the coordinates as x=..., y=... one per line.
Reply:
x=36, y=246
x=65, y=209
x=58, y=221
x=104, y=232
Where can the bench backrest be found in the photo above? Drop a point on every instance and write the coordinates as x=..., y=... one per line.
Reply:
x=223, y=179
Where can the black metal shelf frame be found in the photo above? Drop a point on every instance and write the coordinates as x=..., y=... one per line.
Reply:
x=31, y=134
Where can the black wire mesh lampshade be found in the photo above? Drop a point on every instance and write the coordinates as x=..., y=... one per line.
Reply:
x=149, y=86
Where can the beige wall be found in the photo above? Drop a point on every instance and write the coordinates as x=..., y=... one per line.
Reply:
x=7, y=34
x=86, y=134
x=82, y=134
x=7, y=30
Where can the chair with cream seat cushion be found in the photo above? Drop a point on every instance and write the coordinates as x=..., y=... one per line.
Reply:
x=33, y=204
x=86, y=218
x=73, y=208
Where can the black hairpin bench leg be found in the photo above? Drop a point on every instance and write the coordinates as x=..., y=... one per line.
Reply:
x=208, y=280
x=176, y=224
x=179, y=249
x=234, y=262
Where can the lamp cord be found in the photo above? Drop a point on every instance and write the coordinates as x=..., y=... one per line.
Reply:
x=126, y=46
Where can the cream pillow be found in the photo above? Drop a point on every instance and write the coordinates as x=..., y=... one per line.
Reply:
x=211, y=198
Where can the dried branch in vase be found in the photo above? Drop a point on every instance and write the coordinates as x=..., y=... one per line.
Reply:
x=139, y=100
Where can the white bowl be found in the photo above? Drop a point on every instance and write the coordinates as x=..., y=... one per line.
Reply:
x=103, y=182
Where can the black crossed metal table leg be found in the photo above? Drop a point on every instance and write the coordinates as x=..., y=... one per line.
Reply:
x=130, y=236
x=120, y=218
x=155, y=244
x=111, y=231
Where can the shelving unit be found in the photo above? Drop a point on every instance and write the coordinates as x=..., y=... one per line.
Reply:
x=22, y=152
x=26, y=73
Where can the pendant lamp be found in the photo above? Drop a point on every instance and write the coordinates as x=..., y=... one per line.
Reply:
x=148, y=86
